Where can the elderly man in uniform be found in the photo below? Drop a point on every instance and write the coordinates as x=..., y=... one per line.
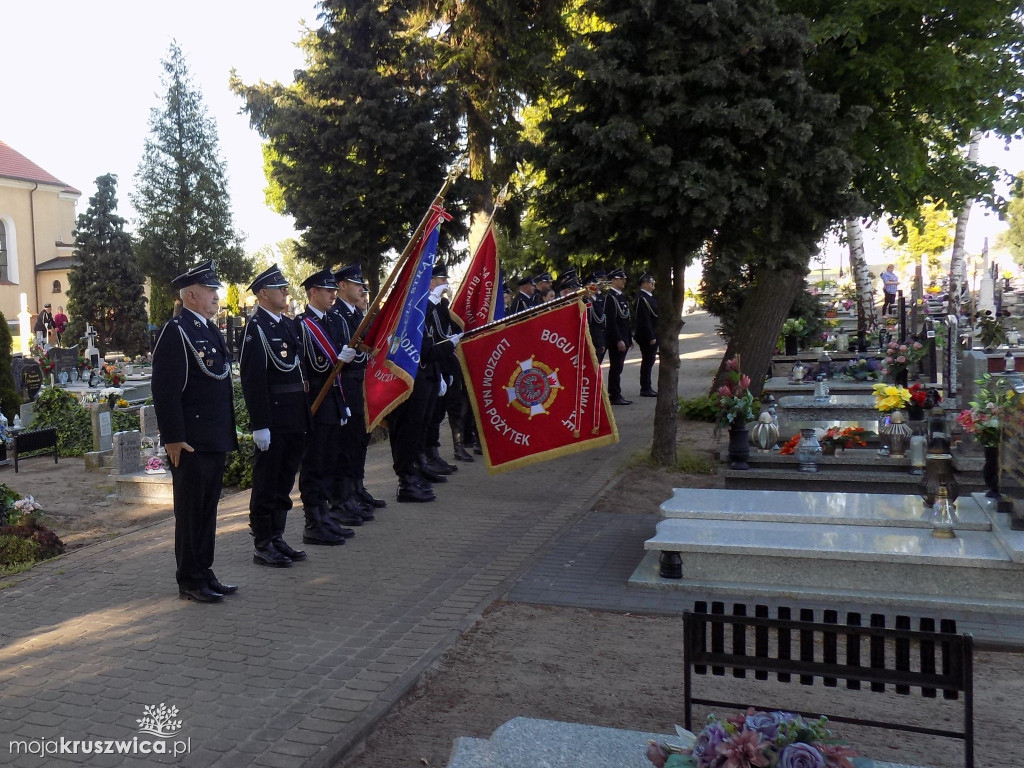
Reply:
x=274, y=387
x=524, y=298
x=193, y=400
x=323, y=344
x=352, y=503
x=645, y=336
x=618, y=332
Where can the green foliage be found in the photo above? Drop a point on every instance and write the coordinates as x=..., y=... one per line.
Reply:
x=361, y=141
x=105, y=287
x=1013, y=238
x=10, y=399
x=56, y=408
x=241, y=412
x=929, y=236
x=27, y=542
x=233, y=302
x=929, y=77
x=181, y=192
x=238, y=466
x=700, y=408
x=125, y=421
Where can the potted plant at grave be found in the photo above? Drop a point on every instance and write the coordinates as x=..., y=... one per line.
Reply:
x=862, y=369
x=792, y=329
x=921, y=399
x=983, y=420
x=990, y=329
x=735, y=408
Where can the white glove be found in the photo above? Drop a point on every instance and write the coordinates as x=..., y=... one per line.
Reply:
x=347, y=354
x=438, y=290
x=455, y=338
x=262, y=439
x=444, y=387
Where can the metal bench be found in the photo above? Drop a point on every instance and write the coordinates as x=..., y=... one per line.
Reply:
x=37, y=442
x=875, y=654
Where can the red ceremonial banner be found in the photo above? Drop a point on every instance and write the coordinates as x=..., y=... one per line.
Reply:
x=478, y=295
x=535, y=386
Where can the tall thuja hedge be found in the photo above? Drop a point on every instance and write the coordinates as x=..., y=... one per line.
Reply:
x=10, y=400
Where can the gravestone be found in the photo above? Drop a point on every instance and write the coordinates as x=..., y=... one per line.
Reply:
x=1011, y=464
x=973, y=365
x=31, y=380
x=102, y=432
x=64, y=360
x=147, y=421
x=127, y=452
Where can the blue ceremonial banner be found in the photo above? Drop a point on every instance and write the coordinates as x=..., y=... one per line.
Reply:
x=404, y=350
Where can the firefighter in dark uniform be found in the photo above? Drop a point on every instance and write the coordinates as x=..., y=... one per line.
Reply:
x=619, y=336
x=542, y=284
x=275, y=395
x=323, y=344
x=596, y=319
x=194, y=407
x=445, y=334
x=645, y=336
x=524, y=298
x=352, y=503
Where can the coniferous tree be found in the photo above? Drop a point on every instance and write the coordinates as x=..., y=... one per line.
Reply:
x=181, y=192
x=105, y=289
x=10, y=400
x=361, y=141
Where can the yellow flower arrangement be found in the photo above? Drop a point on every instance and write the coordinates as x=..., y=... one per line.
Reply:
x=889, y=398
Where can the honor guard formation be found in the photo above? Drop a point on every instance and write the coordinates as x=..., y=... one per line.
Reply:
x=284, y=365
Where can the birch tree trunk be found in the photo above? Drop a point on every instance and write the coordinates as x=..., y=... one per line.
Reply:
x=866, y=319
x=957, y=261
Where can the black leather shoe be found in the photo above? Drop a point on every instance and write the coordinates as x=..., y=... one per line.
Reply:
x=201, y=594
x=620, y=400
x=648, y=393
x=366, y=497
x=270, y=557
x=295, y=555
x=224, y=589
x=461, y=454
x=356, y=506
x=331, y=525
x=439, y=465
x=478, y=449
x=320, y=537
x=343, y=516
x=431, y=477
x=413, y=492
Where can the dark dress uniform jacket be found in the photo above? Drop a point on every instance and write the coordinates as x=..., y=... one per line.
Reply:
x=352, y=318
x=272, y=377
x=192, y=385
x=319, y=366
x=520, y=302
x=646, y=317
x=616, y=310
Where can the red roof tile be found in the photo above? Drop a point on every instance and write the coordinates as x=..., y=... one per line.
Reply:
x=14, y=165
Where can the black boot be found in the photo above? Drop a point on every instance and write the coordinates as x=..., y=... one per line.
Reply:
x=328, y=522
x=366, y=497
x=316, y=532
x=352, y=501
x=265, y=552
x=434, y=457
x=295, y=555
x=461, y=454
x=424, y=470
x=410, y=489
x=344, y=512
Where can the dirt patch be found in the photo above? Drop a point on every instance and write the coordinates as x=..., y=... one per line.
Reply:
x=625, y=671
x=79, y=504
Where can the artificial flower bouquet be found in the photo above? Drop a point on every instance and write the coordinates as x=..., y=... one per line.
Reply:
x=984, y=416
x=899, y=356
x=850, y=437
x=863, y=369
x=755, y=740
x=889, y=397
x=735, y=400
